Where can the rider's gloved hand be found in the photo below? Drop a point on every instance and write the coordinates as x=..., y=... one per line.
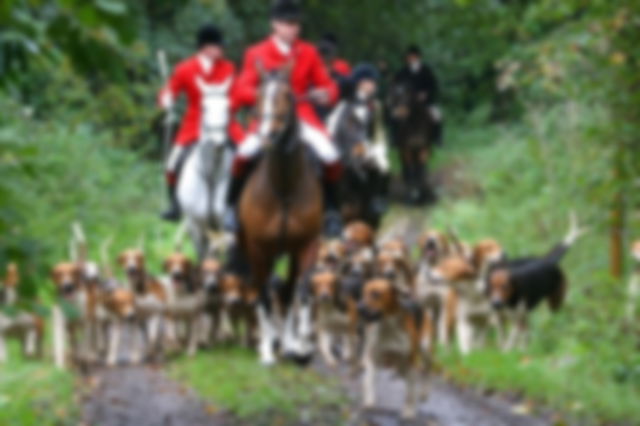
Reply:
x=319, y=96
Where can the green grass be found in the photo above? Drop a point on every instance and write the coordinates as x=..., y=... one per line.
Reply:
x=233, y=380
x=34, y=393
x=517, y=183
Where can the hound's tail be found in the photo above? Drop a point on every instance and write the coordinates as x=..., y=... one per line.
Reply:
x=104, y=258
x=575, y=232
x=78, y=246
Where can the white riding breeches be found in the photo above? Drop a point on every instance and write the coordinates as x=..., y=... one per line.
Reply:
x=317, y=140
x=174, y=158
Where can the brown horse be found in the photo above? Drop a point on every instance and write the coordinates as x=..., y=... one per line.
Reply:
x=281, y=214
x=413, y=136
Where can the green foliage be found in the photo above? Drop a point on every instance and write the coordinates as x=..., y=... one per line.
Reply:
x=60, y=172
x=90, y=33
x=233, y=380
x=35, y=394
x=517, y=183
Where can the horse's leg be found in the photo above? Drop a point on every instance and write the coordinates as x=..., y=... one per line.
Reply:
x=303, y=350
x=404, y=160
x=289, y=343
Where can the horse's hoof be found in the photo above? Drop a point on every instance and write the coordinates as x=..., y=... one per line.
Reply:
x=301, y=360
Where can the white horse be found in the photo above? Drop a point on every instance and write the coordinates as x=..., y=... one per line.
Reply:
x=203, y=185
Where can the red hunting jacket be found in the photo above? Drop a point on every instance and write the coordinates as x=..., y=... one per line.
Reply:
x=183, y=81
x=308, y=72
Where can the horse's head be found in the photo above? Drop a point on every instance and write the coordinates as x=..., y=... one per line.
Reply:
x=215, y=110
x=276, y=107
x=400, y=101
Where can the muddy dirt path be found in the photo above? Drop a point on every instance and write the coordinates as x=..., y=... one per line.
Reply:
x=144, y=396
x=448, y=405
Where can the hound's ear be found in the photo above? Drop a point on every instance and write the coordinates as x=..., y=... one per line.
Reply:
x=476, y=254
x=54, y=275
x=189, y=265
x=120, y=259
x=446, y=245
x=78, y=271
x=165, y=266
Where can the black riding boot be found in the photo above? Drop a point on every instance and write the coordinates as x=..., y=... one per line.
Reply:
x=235, y=190
x=172, y=214
x=332, y=217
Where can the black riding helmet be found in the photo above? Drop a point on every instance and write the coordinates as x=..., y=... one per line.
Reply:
x=414, y=50
x=328, y=45
x=286, y=10
x=364, y=71
x=209, y=34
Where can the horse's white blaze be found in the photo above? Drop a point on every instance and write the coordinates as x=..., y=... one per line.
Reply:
x=267, y=108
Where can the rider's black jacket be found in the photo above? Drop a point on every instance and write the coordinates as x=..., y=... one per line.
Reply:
x=423, y=80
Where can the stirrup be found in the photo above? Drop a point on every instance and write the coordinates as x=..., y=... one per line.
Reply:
x=230, y=220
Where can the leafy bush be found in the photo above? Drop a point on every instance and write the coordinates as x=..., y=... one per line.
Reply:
x=59, y=173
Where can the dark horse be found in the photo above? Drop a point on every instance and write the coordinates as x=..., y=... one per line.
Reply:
x=281, y=214
x=413, y=134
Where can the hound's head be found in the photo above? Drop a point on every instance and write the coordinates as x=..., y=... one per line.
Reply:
x=357, y=235
x=178, y=266
x=357, y=269
x=324, y=285
x=455, y=271
x=232, y=288
x=379, y=299
x=388, y=265
x=122, y=302
x=91, y=273
x=635, y=251
x=500, y=289
x=67, y=277
x=12, y=278
x=487, y=252
x=434, y=245
x=395, y=248
x=210, y=273
x=132, y=261
x=332, y=253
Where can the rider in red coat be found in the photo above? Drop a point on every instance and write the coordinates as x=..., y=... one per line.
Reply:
x=329, y=47
x=207, y=66
x=339, y=70
x=311, y=83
